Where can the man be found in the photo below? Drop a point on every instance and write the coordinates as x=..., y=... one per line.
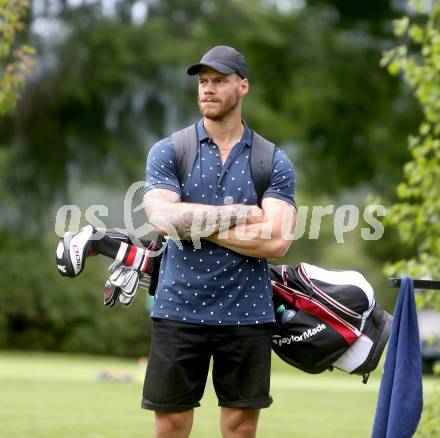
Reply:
x=215, y=300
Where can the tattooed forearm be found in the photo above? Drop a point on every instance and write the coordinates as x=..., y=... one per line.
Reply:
x=183, y=220
x=203, y=220
x=206, y=223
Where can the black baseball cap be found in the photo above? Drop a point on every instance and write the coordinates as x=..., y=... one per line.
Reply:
x=224, y=59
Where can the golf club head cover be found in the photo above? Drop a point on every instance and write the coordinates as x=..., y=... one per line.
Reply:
x=119, y=246
x=72, y=251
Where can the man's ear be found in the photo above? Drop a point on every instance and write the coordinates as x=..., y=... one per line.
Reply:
x=244, y=87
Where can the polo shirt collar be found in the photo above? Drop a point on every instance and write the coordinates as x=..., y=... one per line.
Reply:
x=203, y=135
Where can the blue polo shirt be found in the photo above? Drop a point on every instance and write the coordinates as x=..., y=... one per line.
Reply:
x=212, y=284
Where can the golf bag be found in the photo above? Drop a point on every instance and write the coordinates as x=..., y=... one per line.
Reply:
x=335, y=321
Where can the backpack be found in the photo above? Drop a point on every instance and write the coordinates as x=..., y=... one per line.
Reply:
x=186, y=144
x=262, y=151
x=335, y=322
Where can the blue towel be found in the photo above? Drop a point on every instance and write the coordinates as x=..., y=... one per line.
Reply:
x=400, y=401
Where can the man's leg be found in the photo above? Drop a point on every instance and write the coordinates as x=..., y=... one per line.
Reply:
x=177, y=369
x=239, y=423
x=241, y=376
x=174, y=424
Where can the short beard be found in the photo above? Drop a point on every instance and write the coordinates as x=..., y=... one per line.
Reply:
x=223, y=111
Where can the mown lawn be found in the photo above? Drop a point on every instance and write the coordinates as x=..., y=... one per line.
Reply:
x=54, y=395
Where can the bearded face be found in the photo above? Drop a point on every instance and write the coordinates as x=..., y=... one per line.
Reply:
x=219, y=95
x=216, y=108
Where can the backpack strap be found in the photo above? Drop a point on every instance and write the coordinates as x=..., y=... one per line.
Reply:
x=262, y=153
x=186, y=144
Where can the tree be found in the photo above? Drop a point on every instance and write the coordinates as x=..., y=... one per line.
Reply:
x=116, y=86
x=416, y=215
x=16, y=65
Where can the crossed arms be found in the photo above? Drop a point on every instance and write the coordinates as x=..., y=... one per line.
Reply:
x=245, y=229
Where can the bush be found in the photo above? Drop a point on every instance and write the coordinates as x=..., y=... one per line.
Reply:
x=429, y=426
x=41, y=310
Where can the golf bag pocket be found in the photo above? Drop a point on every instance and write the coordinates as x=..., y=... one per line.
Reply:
x=355, y=356
x=307, y=342
x=364, y=355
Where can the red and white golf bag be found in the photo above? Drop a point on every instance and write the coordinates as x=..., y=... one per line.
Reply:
x=336, y=323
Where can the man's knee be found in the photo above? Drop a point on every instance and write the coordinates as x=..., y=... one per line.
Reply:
x=174, y=424
x=239, y=422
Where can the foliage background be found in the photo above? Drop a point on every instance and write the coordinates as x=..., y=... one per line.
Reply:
x=416, y=214
x=105, y=79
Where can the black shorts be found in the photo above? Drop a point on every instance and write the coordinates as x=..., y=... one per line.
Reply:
x=178, y=365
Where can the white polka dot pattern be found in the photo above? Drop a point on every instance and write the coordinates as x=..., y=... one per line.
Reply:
x=212, y=285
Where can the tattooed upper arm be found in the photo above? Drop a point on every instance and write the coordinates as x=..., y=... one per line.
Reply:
x=157, y=207
x=153, y=199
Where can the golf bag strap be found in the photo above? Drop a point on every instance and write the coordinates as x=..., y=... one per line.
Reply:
x=262, y=152
x=186, y=144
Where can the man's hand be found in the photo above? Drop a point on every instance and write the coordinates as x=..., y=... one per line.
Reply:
x=255, y=215
x=269, y=238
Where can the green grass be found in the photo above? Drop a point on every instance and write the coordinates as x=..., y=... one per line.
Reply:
x=54, y=395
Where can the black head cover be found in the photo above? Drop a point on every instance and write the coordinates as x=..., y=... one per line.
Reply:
x=73, y=250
